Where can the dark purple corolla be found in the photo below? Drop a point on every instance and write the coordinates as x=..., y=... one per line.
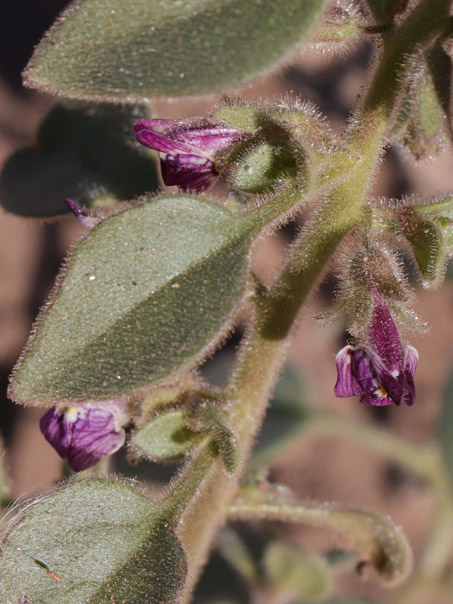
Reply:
x=84, y=434
x=187, y=149
x=382, y=372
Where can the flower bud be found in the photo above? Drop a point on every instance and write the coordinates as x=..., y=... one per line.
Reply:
x=266, y=166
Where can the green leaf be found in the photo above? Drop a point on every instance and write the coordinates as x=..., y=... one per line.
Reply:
x=84, y=152
x=237, y=554
x=166, y=437
x=131, y=51
x=144, y=295
x=92, y=542
x=294, y=569
x=446, y=426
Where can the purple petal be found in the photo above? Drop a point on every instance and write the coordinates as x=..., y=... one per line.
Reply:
x=375, y=379
x=384, y=336
x=163, y=144
x=346, y=383
x=363, y=363
x=82, y=215
x=188, y=172
x=209, y=139
x=410, y=360
x=369, y=399
x=56, y=430
x=393, y=387
x=410, y=365
x=94, y=436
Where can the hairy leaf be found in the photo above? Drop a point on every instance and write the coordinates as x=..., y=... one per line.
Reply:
x=84, y=152
x=131, y=51
x=92, y=542
x=144, y=295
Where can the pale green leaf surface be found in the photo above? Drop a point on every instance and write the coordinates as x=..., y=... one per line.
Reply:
x=92, y=542
x=130, y=51
x=166, y=437
x=298, y=571
x=85, y=153
x=144, y=295
x=446, y=426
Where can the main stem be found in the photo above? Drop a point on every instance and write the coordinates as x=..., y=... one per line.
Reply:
x=264, y=349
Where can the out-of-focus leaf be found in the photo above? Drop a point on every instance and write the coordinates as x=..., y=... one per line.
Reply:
x=92, y=542
x=131, y=51
x=340, y=28
x=166, y=437
x=381, y=543
x=446, y=426
x=348, y=601
x=85, y=153
x=235, y=551
x=143, y=296
x=4, y=491
x=284, y=420
x=298, y=571
x=384, y=10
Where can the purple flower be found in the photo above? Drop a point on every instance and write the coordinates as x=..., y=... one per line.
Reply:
x=85, y=434
x=382, y=372
x=187, y=150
